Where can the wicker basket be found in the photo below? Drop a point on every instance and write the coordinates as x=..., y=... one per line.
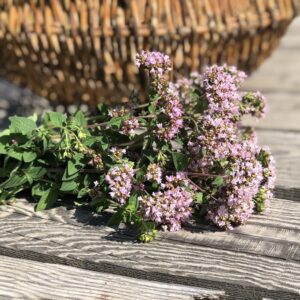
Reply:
x=84, y=50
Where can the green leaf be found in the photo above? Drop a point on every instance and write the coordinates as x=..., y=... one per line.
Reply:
x=55, y=119
x=218, y=181
x=48, y=198
x=34, y=117
x=72, y=168
x=180, y=161
x=80, y=119
x=100, y=202
x=103, y=108
x=29, y=156
x=92, y=140
x=39, y=188
x=4, y=132
x=114, y=137
x=3, y=149
x=151, y=108
x=116, y=218
x=35, y=172
x=4, y=172
x=83, y=192
x=132, y=203
x=68, y=186
x=15, y=180
x=116, y=122
x=199, y=198
x=67, y=177
x=14, y=154
x=21, y=125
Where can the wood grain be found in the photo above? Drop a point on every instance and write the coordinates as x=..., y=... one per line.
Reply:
x=25, y=279
x=264, y=255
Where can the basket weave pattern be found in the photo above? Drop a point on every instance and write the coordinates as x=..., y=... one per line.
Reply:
x=84, y=50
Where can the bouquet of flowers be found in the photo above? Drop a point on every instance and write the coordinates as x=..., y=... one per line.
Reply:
x=182, y=154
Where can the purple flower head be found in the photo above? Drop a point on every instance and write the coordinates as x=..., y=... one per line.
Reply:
x=254, y=104
x=154, y=173
x=173, y=110
x=119, y=179
x=242, y=185
x=169, y=208
x=129, y=126
x=156, y=62
x=267, y=184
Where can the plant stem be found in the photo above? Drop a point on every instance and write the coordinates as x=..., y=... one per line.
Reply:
x=195, y=174
x=106, y=123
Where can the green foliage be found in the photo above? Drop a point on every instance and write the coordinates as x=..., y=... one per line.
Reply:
x=260, y=200
x=54, y=119
x=48, y=198
x=21, y=125
x=180, y=161
x=218, y=182
x=199, y=198
x=68, y=159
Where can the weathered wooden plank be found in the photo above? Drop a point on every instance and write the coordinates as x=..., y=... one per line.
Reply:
x=277, y=75
x=294, y=28
x=278, y=78
x=26, y=279
x=249, y=256
x=276, y=234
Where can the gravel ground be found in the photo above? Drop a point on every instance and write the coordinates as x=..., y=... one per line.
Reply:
x=18, y=101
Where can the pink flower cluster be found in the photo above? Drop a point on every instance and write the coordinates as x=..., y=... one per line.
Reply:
x=218, y=121
x=179, y=179
x=254, y=104
x=119, y=179
x=154, y=173
x=173, y=110
x=221, y=144
x=221, y=85
x=129, y=126
x=156, y=62
x=234, y=202
x=171, y=206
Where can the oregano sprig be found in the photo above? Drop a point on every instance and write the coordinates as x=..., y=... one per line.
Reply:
x=154, y=164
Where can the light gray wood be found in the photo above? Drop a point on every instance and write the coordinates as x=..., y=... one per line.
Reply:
x=278, y=78
x=25, y=279
x=294, y=27
x=280, y=73
x=264, y=253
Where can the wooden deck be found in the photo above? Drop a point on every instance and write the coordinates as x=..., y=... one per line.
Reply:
x=68, y=254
